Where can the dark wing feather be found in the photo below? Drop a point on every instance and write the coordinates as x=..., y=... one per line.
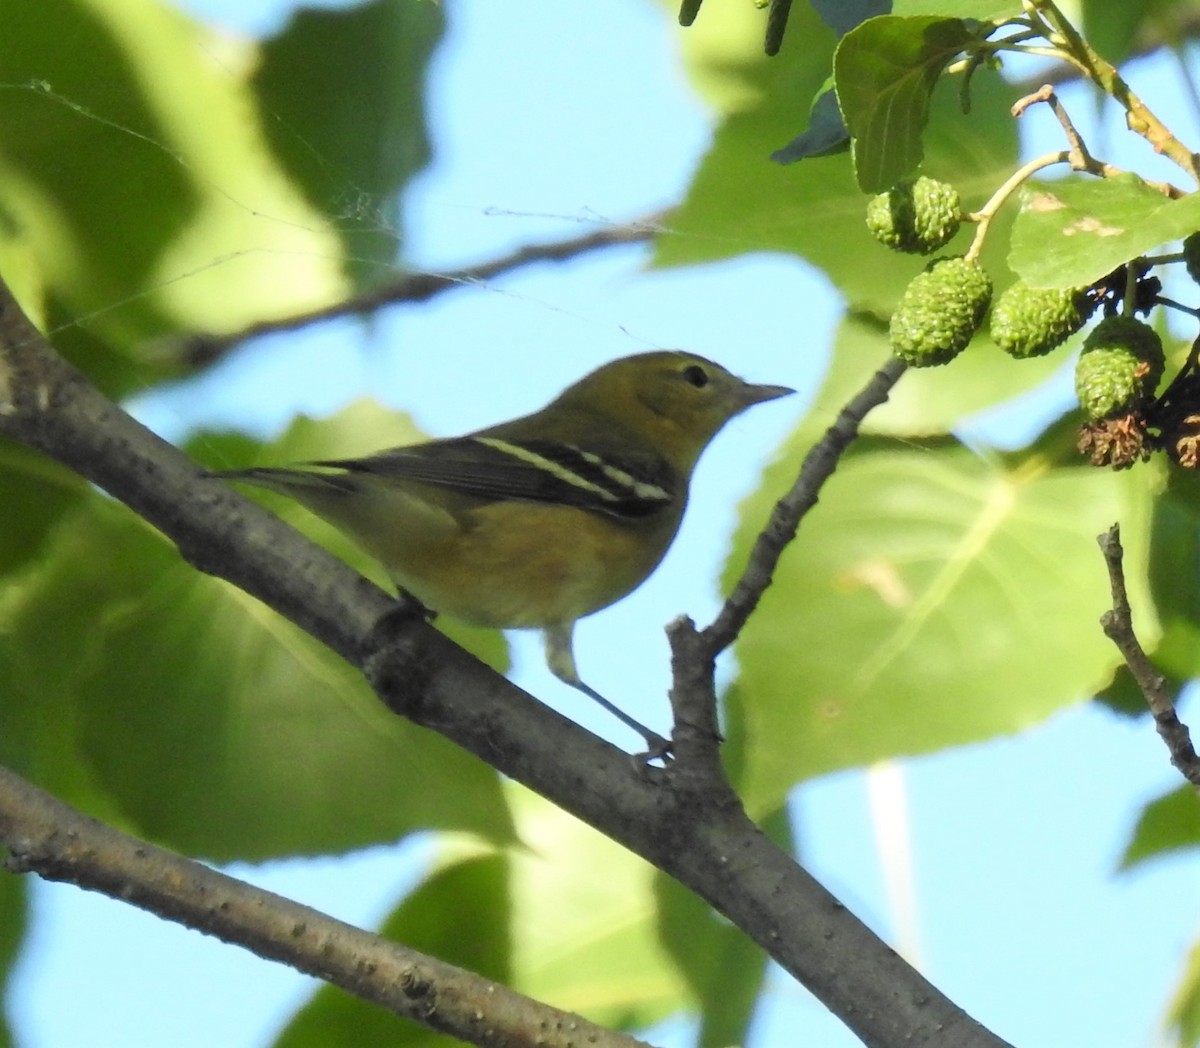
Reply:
x=495, y=469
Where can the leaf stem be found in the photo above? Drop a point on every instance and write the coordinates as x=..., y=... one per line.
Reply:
x=986, y=213
x=1162, y=260
x=1129, y=299
x=1041, y=52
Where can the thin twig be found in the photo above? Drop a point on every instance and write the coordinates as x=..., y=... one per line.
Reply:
x=1081, y=158
x=201, y=350
x=696, y=735
x=1179, y=23
x=1138, y=116
x=1078, y=156
x=1170, y=303
x=1118, y=627
x=817, y=468
x=1129, y=300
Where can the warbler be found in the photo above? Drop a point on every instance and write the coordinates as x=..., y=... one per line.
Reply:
x=537, y=522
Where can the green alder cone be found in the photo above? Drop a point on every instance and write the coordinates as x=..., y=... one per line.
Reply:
x=1191, y=256
x=916, y=216
x=1030, y=322
x=939, y=312
x=1119, y=368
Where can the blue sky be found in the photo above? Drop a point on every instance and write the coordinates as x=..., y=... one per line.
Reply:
x=1020, y=917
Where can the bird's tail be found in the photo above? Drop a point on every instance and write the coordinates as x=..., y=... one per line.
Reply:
x=293, y=482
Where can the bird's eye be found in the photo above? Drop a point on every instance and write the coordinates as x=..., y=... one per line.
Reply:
x=696, y=376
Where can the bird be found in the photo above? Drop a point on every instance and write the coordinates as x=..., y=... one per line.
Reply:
x=537, y=522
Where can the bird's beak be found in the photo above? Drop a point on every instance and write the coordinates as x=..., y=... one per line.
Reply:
x=752, y=394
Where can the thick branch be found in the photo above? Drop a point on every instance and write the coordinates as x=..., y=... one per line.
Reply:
x=693, y=828
x=46, y=836
x=1118, y=627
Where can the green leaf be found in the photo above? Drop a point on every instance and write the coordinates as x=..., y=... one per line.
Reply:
x=276, y=746
x=135, y=171
x=724, y=969
x=885, y=71
x=13, y=919
x=363, y=427
x=1072, y=233
x=738, y=202
x=932, y=598
x=825, y=135
x=1174, y=565
x=1183, y=1014
x=979, y=10
x=39, y=726
x=724, y=58
x=1169, y=824
x=1112, y=29
x=35, y=492
x=1175, y=559
x=843, y=15
x=1122, y=696
x=350, y=167
x=585, y=930
x=22, y=274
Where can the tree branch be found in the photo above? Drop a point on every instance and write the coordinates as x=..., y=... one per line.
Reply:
x=204, y=349
x=1117, y=624
x=1078, y=155
x=1169, y=27
x=1138, y=116
x=690, y=826
x=696, y=736
x=819, y=464
x=45, y=836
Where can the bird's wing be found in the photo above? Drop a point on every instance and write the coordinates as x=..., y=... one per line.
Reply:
x=495, y=468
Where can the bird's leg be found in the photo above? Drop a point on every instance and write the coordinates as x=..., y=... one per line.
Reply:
x=658, y=746
x=406, y=608
x=407, y=604
x=561, y=660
